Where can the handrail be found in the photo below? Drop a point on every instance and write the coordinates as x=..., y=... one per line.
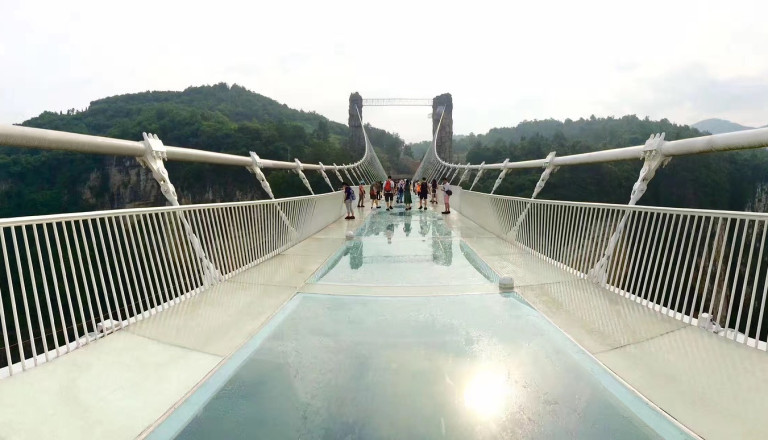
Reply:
x=38, y=138
x=639, y=208
x=51, y=218
x=741, y=140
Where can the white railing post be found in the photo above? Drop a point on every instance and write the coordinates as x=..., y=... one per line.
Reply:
x=255, y=169
x=346, y=171
x=338, y=174
x=653, y=159
x=477, y=177
x=549, y=168
x=501, y=175
x=464, y=174
x=299, y=170
x=325, y=176
x=455, y=173
x=154, y=156
x=355, y=173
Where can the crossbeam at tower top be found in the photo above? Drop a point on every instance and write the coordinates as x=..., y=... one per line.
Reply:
x=407, y=102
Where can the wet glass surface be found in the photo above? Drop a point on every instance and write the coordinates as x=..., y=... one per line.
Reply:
x=458, y=367
x=399, y=248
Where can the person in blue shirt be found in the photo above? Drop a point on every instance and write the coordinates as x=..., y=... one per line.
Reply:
x=349, y=197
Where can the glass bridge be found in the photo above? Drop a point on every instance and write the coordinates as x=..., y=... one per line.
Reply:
x=509, y=318
x=361, y=365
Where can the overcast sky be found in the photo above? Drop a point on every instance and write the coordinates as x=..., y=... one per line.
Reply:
x=503, y=62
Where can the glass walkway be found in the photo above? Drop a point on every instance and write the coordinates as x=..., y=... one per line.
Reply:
x=365, y=366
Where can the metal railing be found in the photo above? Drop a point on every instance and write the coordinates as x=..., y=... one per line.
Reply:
x=70, y=279
x=151, y=153
x=655, y=153
x=706, y=268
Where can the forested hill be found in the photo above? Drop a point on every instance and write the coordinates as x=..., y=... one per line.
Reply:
x=729, y=180
x=217, y=118
x=114, y=115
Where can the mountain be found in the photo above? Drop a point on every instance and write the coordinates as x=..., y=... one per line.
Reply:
x=717, y=126
x=217, y=118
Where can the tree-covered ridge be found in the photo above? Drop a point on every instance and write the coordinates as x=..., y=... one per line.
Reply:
x=235, y=103
x=216, y=118
x=712, y=181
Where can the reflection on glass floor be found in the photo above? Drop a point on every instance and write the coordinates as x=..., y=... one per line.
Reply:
x=398, y=248
x=457, y=367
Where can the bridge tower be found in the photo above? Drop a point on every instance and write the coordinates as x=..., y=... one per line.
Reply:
x=445, y=137
x=356, y=137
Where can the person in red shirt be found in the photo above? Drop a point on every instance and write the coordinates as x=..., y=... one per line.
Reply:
x=361, y=191
x=389, y=192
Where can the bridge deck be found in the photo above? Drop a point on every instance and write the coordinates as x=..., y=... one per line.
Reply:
x=120, y=386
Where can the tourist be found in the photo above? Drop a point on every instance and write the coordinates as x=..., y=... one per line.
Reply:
x=361, y=190
x=446, y=188
x=434, y=191
x=400, y=190
x=349, y=196
x=407, y=195
x=374, y=195
x=389, y=192
x=423, y=193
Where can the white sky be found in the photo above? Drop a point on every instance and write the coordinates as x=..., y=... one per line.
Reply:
x=503, y=62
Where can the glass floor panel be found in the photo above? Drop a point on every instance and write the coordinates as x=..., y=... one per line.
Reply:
x=458, y=367
x=395, y=248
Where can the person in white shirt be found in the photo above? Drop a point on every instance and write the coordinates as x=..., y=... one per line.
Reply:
x=446, y=188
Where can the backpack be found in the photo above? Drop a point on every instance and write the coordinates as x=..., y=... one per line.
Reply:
x=388, y=186
x=353, y=195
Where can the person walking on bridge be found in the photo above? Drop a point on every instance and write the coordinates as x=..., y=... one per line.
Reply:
x=389, y=192
x=407, y=195
x=446, y=188
x=349, y=196
x=423, y=193
x=375, y=195
x=361, y=193
x=400, y=190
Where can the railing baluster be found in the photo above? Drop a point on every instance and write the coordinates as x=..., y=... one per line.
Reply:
x=146, y=287
x=12, y=296
x=101, y=277
x=109, y=226
x=709, y=270
x=734, y=281
x=167, y=294
x=691, y=270
x=727, y=270
x=660, y=252
x=755, y=282
x=36, y=297
x=56, y=292
x=746, y=279
x=66, y=227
